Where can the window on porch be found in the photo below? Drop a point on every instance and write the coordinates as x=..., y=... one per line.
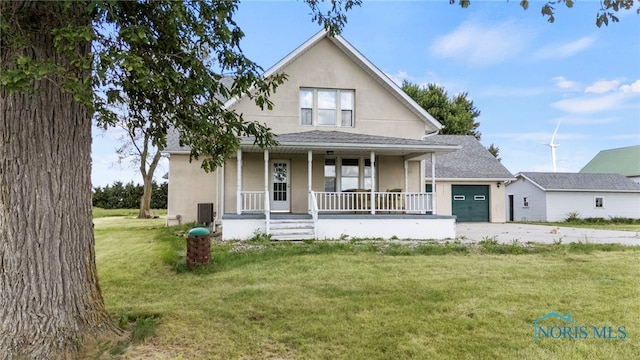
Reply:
x=352, y=173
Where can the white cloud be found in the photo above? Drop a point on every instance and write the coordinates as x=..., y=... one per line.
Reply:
x=564, y=84
x=559, y=51
x=481, y=45
x=631, y=88
x=398, y=77
x=603, y=86
x=581, y=120
x=589, y=104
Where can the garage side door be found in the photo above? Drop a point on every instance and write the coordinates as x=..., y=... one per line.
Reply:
x=470, y=203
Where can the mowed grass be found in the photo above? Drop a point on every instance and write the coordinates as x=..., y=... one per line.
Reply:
x=363, y=299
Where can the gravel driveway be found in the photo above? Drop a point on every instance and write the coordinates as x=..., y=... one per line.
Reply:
x=506, y=233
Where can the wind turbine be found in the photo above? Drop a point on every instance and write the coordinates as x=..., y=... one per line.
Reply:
x=553, y=147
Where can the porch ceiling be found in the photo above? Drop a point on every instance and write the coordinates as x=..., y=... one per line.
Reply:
x=344, y=143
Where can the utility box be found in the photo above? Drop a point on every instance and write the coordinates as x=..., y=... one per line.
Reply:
x=206, y=215
x=198, y=247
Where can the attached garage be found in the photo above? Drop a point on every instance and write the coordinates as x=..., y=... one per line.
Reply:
x=469, y=182
x=470, y=203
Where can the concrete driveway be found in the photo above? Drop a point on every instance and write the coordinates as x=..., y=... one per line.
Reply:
x=506, y=233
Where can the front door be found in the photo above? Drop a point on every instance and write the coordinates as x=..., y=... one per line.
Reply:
x=280, y=183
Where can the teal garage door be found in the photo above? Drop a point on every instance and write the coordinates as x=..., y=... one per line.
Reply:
x=470, y=203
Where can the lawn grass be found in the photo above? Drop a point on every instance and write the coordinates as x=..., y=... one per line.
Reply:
x=101, y=213
x=364, y=299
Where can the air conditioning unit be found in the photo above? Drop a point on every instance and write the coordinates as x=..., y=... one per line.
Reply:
x=206, y=215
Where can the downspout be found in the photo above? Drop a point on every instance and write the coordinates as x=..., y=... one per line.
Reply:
x=222, y=190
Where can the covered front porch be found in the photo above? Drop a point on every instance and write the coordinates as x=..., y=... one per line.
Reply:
x=353, y=185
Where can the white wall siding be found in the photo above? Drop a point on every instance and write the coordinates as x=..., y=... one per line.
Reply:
x=615, y=205
x=536, y=211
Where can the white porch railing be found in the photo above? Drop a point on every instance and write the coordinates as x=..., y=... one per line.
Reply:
x=349, y=202
x=384, y=202
x=252, y=201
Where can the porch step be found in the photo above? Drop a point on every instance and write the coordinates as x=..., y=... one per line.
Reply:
x=292, y=229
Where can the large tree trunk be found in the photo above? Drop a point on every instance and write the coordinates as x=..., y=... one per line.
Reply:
x=49, y=293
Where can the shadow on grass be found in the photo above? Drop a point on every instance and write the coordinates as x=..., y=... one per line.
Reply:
x=233, y=254
x=138, y=327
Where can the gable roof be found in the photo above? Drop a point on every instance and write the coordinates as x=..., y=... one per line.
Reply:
x=364, y=63
x=581, y=182
x=625, y=161
x=472, y=162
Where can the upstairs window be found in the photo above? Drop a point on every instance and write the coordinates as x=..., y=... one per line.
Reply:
x=326, y=107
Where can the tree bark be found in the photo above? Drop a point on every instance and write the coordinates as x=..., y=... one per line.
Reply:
x=49, y=293
x=147, y=178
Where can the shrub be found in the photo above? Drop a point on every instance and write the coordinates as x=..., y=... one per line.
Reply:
x=572, y=217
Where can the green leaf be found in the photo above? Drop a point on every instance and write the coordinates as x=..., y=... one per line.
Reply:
x=524, y=4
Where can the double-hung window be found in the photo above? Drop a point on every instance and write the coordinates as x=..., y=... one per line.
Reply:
x=326, y=107
x=346, y=174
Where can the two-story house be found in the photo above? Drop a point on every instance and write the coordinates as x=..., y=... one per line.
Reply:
x=350, y=162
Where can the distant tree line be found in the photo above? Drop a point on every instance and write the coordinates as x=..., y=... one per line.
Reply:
x=127, y=196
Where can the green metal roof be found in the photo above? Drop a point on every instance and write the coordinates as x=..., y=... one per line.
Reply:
x=625, y=161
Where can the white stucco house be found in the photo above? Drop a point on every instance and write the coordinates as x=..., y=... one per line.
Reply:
x=351, y=161
x=543, y=196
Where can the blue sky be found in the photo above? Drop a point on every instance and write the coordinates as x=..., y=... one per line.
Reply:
x=522, y=73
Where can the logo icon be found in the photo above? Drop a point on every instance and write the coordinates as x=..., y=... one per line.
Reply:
x=551, y=314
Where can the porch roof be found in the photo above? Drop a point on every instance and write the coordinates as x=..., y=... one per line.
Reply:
x=347, y=143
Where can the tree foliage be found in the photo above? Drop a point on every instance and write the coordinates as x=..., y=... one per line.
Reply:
x=136, y=146
x=127, y=196
x=606, y=13
x=495, y=151
x=457, y=114
x=166, y=59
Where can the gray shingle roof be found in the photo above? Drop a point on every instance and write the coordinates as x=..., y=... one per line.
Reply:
x=472, y=161
x=332, y=138
x=342, y=137
x=582, y=181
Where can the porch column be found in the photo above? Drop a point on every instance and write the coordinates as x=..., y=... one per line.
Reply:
x=309, y=179
x=373, y=182
x=406, y=176
x=239, y=182
x=433, y=183
x=267, y=197
x=423, y=172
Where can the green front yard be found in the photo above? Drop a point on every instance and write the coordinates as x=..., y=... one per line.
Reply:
x=364, y=299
